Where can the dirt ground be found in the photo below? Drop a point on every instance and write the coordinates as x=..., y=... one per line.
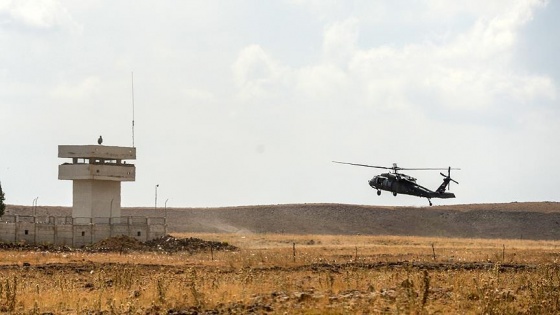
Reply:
x=491, y=259
x=165, y=244
x=302, y=299
x=283, y=274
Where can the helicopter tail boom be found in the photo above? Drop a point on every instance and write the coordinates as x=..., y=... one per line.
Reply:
x=443, y=195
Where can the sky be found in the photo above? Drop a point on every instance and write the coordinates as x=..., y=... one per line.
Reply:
x=249, y=102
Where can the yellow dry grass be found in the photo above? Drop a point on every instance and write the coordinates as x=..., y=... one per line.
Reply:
x=327, y=275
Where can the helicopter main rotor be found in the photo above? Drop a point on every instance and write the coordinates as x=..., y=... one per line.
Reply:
x=396, y=168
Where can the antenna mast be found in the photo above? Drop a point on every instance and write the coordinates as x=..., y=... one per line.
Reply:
x=132, y=109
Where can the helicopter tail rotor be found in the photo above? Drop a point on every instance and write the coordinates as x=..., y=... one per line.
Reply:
x=447, y=180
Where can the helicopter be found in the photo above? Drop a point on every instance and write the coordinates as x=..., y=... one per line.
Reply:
x=399, y=183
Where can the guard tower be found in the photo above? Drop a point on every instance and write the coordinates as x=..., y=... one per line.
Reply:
x=97, y=172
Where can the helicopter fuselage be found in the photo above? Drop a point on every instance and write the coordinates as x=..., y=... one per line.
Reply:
x=404, y=184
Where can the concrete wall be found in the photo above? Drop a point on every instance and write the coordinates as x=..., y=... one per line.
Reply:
x=96, y=199
x=97, y=151
x=99, y=171
x=53, y=230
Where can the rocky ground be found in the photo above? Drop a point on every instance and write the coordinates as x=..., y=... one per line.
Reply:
x=535, y=220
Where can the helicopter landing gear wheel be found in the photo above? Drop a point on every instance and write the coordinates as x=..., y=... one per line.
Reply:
x=430, y=202
x=394, y=194
x=379, y=192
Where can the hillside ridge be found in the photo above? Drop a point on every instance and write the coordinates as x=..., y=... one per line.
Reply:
x=515, y=220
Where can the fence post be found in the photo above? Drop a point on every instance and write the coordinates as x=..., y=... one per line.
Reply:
x=148, y=230
x=91, y=233
x=34, y=230
x=16, y=228
x=55, y=232
x=73, y=232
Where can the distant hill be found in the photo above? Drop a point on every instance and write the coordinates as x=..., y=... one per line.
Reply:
x=536, y=220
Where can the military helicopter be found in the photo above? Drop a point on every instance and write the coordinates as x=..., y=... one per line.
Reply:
x=399, y=183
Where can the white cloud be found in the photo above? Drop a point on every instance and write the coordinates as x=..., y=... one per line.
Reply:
x=322, y=82
x=76, y=92
x=37, y=14
x=321, y=8
x=255, y=72
x=199, y=95
x=481, y=8
x=492, y=38
x=339, y=42
x=472, y=71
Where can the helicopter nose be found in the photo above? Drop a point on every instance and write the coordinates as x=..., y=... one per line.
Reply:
x=371, y=182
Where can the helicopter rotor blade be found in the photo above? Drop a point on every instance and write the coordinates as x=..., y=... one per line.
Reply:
x=449, y=184
x=446, y=176
x=396, y=168
x=364, y=165
x=449, y=174
x=428, y=169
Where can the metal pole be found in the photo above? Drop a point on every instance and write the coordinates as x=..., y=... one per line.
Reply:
x=111, y=218
x=166, y=200
x=132, y=75
x=155, y=203
x=35, y=207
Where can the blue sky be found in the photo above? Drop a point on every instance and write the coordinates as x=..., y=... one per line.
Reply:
x=247, y=102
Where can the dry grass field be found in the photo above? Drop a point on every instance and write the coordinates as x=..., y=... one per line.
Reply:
x=291, y=274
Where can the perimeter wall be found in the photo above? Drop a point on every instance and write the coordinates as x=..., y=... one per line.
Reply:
x=77, y=232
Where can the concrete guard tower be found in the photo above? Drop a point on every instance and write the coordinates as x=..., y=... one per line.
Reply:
x=97, y=172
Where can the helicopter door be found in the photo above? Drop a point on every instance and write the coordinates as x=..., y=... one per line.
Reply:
x=381, y=181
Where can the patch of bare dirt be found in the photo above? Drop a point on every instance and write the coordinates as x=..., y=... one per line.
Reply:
x=22, y=246
x=167, y=244
x=117, y=243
